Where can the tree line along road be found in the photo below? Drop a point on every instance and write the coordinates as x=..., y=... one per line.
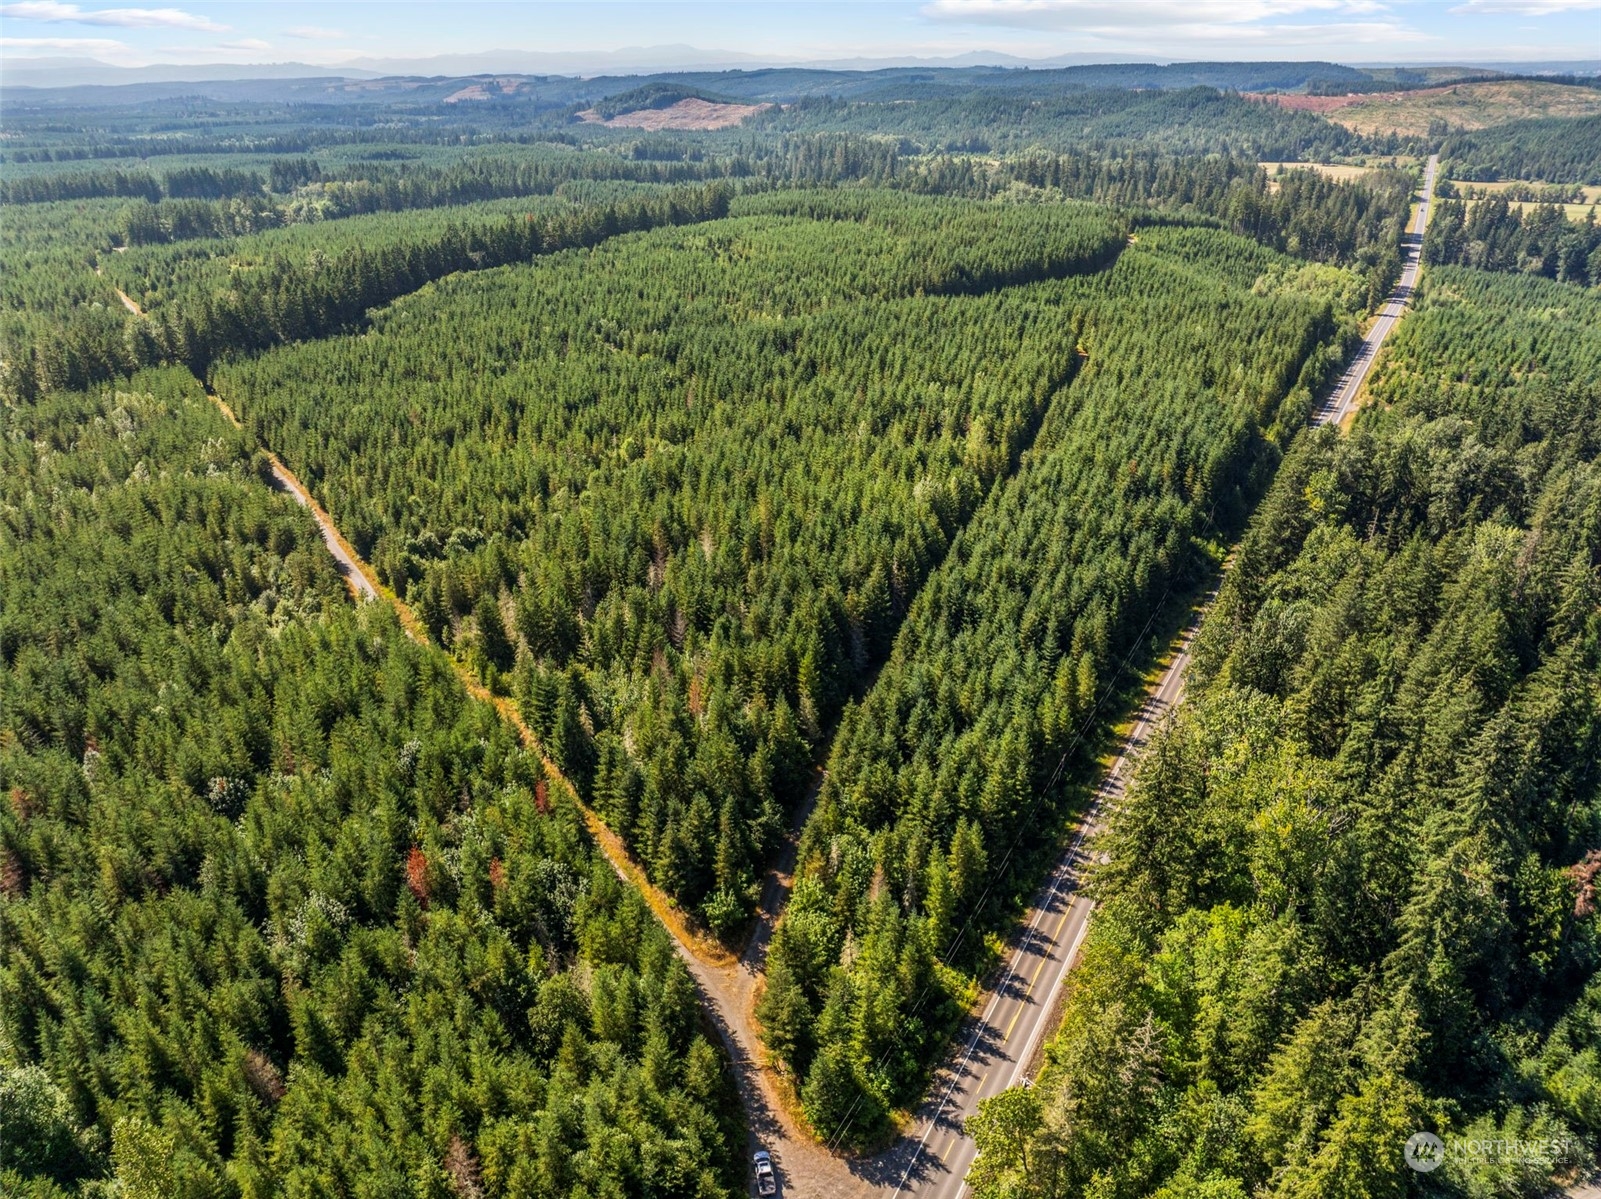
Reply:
x=997, y=1050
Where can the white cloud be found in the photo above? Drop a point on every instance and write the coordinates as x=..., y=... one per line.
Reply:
x=1324, y=39
x=1527, y=8
x=245, y=43
x=88, y=45
x=316, y=33
x=1191, y=29
x=125, y=18
x=1148, y=14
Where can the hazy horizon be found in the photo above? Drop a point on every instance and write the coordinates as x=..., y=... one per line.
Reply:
x=665, y=35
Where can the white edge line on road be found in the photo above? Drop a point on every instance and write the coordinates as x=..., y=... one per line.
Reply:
x=1108, y=784
x=1050, y=998
x=1011, y=972
x=956, y=1077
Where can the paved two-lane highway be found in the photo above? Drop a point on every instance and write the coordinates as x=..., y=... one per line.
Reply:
x=1342, y=400
x=996, y=1050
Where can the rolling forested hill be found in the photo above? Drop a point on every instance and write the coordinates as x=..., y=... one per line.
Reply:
x=70, y=329
x=676, y=493
x=1553, y=150
x=853, y=456
x=97, y=282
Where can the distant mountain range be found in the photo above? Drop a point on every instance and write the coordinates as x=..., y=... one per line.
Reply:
x=72, y=72
x=642, y=60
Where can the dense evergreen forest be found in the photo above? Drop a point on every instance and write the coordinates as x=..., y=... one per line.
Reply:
x=282, y=910
x=1493, y=234
x=1199, y=349
x=1555, y=150
x=1350, y=895
x=652, y=599
x=289, y=300
x=1299, y=212
x=1200, y=120
x=673, y=493
x=245, y=283
x=299, y=189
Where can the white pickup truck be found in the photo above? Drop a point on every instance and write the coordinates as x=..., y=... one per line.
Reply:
x=766, y=1180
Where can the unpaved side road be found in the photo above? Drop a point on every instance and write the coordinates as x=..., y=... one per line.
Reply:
x=728, y=986
x=358, y=575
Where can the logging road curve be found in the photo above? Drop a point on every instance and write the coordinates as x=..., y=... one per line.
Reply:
x=728, y=986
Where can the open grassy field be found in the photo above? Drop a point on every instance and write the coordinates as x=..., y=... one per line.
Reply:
x=1592, y=195
x=1574, y=212
x=1461, y=105
x=1334, y=170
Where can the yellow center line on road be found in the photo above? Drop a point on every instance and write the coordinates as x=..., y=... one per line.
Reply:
x=1045, y=957
x=1055, y=940
x=1016, y=1016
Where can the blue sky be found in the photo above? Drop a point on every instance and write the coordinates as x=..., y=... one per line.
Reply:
x=333, y=32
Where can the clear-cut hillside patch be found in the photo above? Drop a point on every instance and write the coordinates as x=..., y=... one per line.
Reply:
x=689, y=113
